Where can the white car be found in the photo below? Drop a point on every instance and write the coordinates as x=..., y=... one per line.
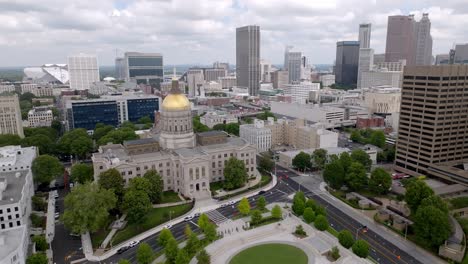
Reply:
x=188, y=218
x=231, y=202
x=57, y=215
x=223, y=205
x=134, y=243
x=168, y=226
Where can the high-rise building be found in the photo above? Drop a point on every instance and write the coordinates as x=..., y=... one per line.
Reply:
x=379, y=58
x=214, y=74
x=279, y=79
x=423, y=41
x=461, y=54
x=146, y=68
x=120, y=68
x=248, y=58
x=83, y=70
x=306, y=69
x=10, y=116
x=432, y=130
x=442, y=59
x=221, y=65
x=195, y=80
x=364, y=36
x=265, y=71
x=347, y=61
x=366, y=62
x=300, y=92
x=256, y=134
x=292, y=63
x=381, y=77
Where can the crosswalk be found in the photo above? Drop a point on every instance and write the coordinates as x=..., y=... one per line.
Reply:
x=216, y=217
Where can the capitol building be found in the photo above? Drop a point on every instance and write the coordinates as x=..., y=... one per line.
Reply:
x=186, y=161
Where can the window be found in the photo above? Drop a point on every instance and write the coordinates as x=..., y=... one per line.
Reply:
x=225, y=155
x=213, y=164
x=16, y=209
x=130, y=172
x=8, y=210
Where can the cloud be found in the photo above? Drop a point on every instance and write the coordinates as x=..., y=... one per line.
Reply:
x=35, y=32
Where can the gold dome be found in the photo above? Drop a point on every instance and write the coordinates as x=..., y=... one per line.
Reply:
x=174, y=102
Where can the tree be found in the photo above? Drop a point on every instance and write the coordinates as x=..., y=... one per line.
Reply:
x=45, y=168
x=182, y=257
x=129, y=125
x=171, y=250
x=235, y=175
x=345, y=160
x=244, y=206
x=82, y=173
x=416, y=191
x=377, y=138
x=73, y=138
x=309, y=215
x=81, y=146
x=436, y=201
x=356, y=177
x=9, y=139
x=38, y=258
x=192, y=244
x=301, y=161
x=139, y=184
x=57, y=126
x=321, y=223
x=380, y=181
x=248, y=120
x=157, y=185
x=345, y=238
x=41, y=243
x=220, y=127
x=361, y=248
x=118, y=136
x=87, y=208
x=359, y=155
x=42, y=142
x=298, y=206
x=276, y=212
x=124, y=261
x=265, y=115
x=232, y=128
x=145, y=120
x=164, y=236
x=266, y=163
x=320, y=210
x=334, y=174
x=136, y=204
x=431, y=225
x=256, y=217
x=38, y=204
x=261, y=203
x=144, y=254
x=335, y=253
x=203, y=257
x=101, y=131
x=203, y=221
x=311, y=204
x=210, y=232
x=300, y=195
x=27, y=96
x=319, y=156
x=198, y=126
x=111, y=179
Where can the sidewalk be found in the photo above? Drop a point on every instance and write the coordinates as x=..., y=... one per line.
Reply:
x=50, y=222
x=397, y=240
x=201, y=206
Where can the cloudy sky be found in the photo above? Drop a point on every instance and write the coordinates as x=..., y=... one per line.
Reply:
x=34, y=32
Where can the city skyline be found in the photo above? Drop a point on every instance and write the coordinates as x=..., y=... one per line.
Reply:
x=35, y=33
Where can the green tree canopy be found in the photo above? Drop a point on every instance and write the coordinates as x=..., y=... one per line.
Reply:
x=42, y=142
x=118, y=136
x=416, y=191
x=265, y=115
x=356, y=177
x=164, y=236
x=436, y=201
x=81, y=146
x=111, y=179
x=380, y=181
x=41, y=243
x=210, y=232
x=235, y=175
x=45, y=131
x=182, y=257
x=45, y=168
x=431, y=225
x=144, y=254
x=319, y=157
x=232, y=128
x=124, y=261
x=377, y=138
x=38, y=258
x=129, y=125
x=266, y=163
x=309, y=215
x=255, y=217
x=82, y=173
x=356, y=136
x=361, y=248
x=334, y=174
x=321, y=223
x=136, y=204
x=276, y=212
x=198, y=126
x=139, y=184
x=145, y=120
x=345, y=238
x=261, y=203
x=220, y=127
x=298, y=206
x=244, y=206
x=68, y=139
x=192, y=244
x=345, y=160
x=87, y=208
x=302, y=161
x=101, y=131
x=359, y=155
x=157, y=186
x=203, y=257
x=9, y=139
x=203, y=221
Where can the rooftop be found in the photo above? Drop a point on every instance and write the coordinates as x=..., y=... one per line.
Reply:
x=211, y=133
x=139, y=141
x=13, y=240
x=14, y=186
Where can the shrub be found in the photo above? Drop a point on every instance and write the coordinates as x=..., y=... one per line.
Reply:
x=38, y=203
x=41, y=243
x=361, y=248
x=335, y=253
x=346, y=238
x=37, y=221
x=321, y=223
x=300, y=231
x=309, y=215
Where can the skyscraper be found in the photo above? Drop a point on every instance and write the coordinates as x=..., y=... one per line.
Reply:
x=120, y=68
x=366, y=62
x=400, y=39
x=10, y=116
x=364, y=36
x=248, y=58
x=423, y=41
x=144, y=68
x=292, y=63
x=432, y=130
x=83, y=70
x=347, y=60
x=195, y=80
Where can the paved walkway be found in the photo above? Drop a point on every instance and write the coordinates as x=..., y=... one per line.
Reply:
x=50, y=221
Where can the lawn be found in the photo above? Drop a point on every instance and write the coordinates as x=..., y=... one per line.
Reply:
x=271, y=254
x=170, y=197
x=155, y=217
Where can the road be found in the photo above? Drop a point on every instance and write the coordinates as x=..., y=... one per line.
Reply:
x=381, y=250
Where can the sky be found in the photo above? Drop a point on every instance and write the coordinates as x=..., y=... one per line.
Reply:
x=35, y=32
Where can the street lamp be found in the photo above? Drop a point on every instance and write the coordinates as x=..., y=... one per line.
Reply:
x=170, y=215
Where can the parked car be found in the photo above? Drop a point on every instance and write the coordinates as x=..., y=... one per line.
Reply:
x=261, y=192
x=122, y=249
x=223, y=205
x=196, y=215
x=134, y=243
x=188, y=218
x=168, y=226
x=57, y=215
x=231, y=202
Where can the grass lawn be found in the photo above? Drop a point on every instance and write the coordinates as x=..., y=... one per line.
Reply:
x=271, y=254
x=98, y=237
x=170, y=197
x=155, y=217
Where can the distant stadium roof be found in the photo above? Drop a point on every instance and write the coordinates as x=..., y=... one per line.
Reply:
x=50, y=73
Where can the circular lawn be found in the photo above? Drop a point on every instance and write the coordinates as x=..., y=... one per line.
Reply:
x=270, y=254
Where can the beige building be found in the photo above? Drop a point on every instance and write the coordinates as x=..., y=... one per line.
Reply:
x=213, y=118
x=186, y=166
x=10, y=116
x=381, y=77
x=256, y=134
x=382, y=100
x=40, y=117
x=279, y=78
x=7, y=88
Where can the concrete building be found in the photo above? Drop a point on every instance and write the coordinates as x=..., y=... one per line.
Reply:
x=10, y=116
x=442, y=59
x=120, y=68
x=16, y=190
x=37, y=90
x=347, y=62
x=279, y=79
x=248, y=58
x=461, y=54
x=423, y=41
x=214, y=74
x=195, y=80
x=146, y=68
x=83, y=71
x=47, y=73
x=391, y=66
x=6, y=88
x=300, y=92
x=330, y=116
x=432, y=132
x=40, y=117
x=382, y=100
x=400, y=42
x=380, y=78
x=265, y=71
x=221, y=65
x=28, y=87
x=256, y=134
x=293, y=64
x=379, y=58
x=327, y=80
x=166, y=86
x=364, y=36
x=228, y=82
x=366, y=62
x=213, y=118
x=185, y=167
